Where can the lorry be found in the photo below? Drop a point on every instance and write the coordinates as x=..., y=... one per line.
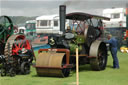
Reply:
x=30, y=26
x=29, y=30
x=118, y=25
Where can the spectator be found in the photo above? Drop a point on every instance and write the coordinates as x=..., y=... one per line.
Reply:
x=113, y=48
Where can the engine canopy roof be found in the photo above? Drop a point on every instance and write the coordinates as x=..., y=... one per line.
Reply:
x=84, y=16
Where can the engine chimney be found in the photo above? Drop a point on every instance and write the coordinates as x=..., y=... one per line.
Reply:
x=62, y=14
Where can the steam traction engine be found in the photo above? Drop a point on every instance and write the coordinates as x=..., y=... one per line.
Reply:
x=16, y=53
x=58, y=60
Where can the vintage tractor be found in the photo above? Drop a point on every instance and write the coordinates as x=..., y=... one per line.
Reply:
x=16, y=53
x=58, y=60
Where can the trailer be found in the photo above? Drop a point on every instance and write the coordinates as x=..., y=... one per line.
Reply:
x=48, y=24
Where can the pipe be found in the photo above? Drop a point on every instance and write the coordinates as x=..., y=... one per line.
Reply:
x=62, y=15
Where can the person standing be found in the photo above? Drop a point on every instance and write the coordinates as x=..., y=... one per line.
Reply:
x=113, y=48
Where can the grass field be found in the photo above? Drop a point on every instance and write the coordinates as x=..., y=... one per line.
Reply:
x=109, y=76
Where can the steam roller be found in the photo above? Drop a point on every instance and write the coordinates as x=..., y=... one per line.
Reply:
x=58, y=60
x=53, y=62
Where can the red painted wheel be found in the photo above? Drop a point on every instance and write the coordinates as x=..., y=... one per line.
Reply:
x=20, y=45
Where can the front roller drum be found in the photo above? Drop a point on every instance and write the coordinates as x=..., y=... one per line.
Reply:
x=98, y=53
x=52, y=64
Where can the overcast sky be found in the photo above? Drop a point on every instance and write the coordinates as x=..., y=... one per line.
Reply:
x=43, y=7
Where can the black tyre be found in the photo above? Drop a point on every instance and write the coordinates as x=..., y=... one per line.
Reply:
x=66, y=72
x=12, y=72
x=3, y=72
x=25, y=68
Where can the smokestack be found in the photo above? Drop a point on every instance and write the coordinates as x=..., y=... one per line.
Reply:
x=62, y=14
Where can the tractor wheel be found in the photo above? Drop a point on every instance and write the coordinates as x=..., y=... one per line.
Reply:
x=3, y=72
x=25, y=68
x=66, y=72
x=12, y=72
x=98, y=51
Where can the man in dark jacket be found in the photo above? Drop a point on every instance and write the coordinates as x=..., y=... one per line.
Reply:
x=113, y=48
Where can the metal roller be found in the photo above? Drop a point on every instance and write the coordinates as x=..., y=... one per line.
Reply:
x=98, y=51
x=52, y=64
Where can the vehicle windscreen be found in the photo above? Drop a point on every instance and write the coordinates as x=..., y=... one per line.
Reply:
x=30, y=26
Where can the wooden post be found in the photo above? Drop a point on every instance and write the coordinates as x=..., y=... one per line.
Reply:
x=77, y=67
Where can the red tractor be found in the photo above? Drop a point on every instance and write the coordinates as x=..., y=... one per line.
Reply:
x=16, y=52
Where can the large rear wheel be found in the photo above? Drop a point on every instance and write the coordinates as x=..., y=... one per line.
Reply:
x=98, y=51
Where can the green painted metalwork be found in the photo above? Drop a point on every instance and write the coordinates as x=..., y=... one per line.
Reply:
x=6, y=28
x=80, y=39
x=73, y=47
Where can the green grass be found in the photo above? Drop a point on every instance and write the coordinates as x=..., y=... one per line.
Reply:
x=109, y=76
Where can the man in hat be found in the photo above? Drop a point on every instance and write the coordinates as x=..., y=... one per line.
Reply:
x=113, y=48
